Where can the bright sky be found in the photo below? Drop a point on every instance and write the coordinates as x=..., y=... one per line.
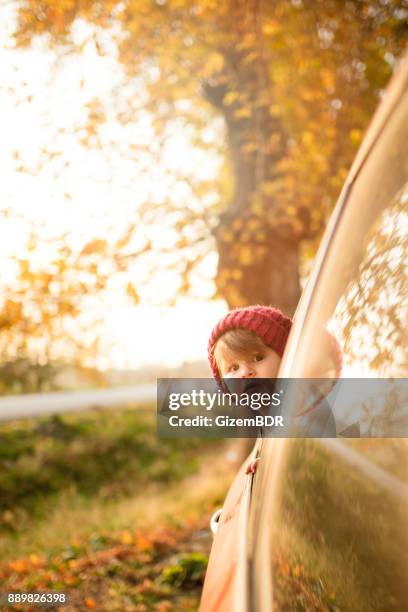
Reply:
x=87, y=193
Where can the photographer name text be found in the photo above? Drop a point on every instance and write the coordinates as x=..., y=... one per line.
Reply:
x=227, y=421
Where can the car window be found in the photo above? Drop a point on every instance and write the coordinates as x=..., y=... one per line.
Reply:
x=360, y=296
x=361, y=293
x=370, y=317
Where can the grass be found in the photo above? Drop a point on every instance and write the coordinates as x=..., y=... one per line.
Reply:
x=66, y=478
x=98, y=506
x=341, y=542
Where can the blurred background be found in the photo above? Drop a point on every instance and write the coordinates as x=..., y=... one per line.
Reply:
x=161, y=162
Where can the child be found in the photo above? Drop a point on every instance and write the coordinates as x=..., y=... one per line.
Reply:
x=249, y=343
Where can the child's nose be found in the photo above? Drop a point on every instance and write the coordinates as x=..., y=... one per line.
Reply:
x=247, y=371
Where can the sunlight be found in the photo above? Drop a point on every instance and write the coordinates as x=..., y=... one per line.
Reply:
x=53, y=185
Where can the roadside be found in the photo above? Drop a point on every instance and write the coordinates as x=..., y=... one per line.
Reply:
x=96, y=505
x=160, y=569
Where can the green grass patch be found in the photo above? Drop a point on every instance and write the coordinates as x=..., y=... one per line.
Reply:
x=76, y=475
x=186, y=571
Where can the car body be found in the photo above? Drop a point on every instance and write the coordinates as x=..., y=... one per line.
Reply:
x=323, y=525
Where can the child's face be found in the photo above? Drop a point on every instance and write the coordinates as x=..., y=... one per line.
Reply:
x=260, y=363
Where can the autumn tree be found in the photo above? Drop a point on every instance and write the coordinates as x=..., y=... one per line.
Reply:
x=43, y=323
x=295, y=83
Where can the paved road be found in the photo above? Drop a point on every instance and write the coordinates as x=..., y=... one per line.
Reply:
x=35, y=405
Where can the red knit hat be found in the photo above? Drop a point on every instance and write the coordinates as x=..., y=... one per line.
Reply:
x=270, y=324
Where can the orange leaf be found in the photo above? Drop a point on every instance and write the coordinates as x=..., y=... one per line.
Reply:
x=143, y=543
x=19, y=565
x=90, y=603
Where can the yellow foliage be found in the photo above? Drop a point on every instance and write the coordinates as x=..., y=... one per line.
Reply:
x=355, y=137
x=269, y=188
x=274, y=110
x=230, y=98
x=132, y=293
x=243, y=113
x=227, y=236
x=246, y=255
x=271, y=27
x=214, y=64
x=249, y=147
x=260, y=236
x=327, y=77
x=270, y=74
x=257, y=206
x=253, y=223
x=95, y=246
x=251, y=57
x=308, y=138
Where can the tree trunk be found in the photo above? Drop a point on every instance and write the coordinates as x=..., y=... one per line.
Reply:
x=253, y=273
x=257, y=245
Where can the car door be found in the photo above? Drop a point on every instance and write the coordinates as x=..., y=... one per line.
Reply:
x=327, y=527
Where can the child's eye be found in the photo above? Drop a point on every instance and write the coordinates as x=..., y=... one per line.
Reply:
x=233, y=367
x=258, y=357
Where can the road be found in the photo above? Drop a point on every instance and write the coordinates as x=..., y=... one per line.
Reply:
x=35, y=405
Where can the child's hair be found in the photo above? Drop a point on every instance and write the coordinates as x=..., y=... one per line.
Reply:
x=239, y=341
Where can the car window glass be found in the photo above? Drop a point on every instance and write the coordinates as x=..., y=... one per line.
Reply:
x=365, y=271
x=371, y=315
x=338, y=534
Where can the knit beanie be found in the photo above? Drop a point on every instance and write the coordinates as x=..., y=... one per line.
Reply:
x=272, y=326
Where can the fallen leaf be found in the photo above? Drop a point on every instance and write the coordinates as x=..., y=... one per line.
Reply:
x=19, y=565
x=90, y=603
x=126, y=537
